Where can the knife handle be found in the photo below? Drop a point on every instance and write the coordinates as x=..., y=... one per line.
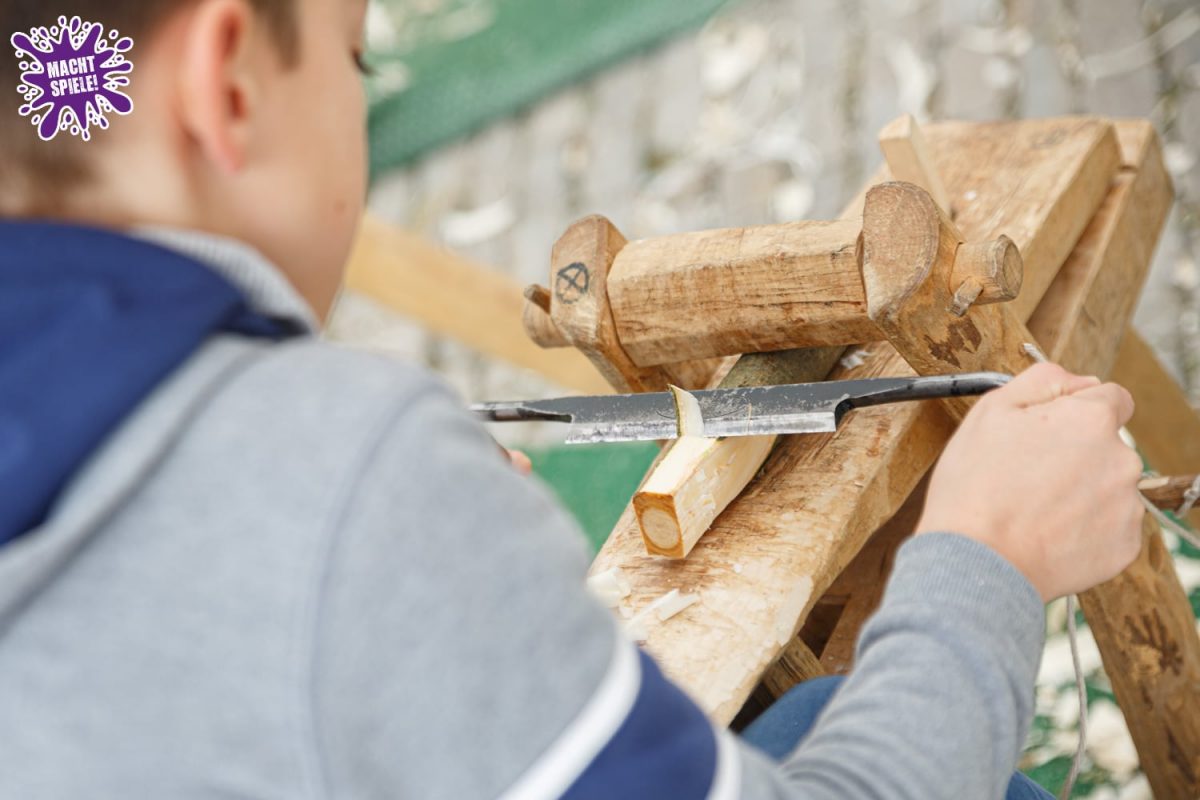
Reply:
x=929, y=387
x=518, y=411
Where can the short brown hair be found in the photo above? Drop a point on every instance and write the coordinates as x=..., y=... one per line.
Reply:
x=38, y=172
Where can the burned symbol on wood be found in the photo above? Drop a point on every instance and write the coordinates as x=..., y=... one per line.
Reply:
x=1152, y=634
x=572, y=282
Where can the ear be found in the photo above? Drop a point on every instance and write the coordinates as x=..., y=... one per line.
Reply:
x=218, y=81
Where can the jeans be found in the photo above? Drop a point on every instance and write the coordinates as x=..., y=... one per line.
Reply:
x=780, y=728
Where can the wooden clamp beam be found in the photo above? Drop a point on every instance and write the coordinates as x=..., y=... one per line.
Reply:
x=577, y=310
x=740, y=290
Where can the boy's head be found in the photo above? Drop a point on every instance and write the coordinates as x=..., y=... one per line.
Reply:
x=248, y=121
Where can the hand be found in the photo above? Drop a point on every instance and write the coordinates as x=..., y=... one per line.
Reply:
x=520, y=461
x=1038, y=473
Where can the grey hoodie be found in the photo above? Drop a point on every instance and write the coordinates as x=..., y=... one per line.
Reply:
x=301, y=571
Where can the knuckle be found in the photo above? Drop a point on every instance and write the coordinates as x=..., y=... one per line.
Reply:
x=1133, y=463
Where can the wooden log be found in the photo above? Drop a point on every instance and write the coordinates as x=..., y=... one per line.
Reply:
x=699, y=477
x=1099, y=283
x=778, y=546
x=739, y=290
x=1165, y=425
x=450, y=295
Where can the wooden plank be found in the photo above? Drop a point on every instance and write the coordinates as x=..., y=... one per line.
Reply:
x=739, y=290
x=779, y=545
x=1098, y=284
x=909, y=159
x=454, y=297
x=1036, y=181
x=1165, y=425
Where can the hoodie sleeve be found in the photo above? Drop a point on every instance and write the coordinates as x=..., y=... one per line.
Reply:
x=458, y=655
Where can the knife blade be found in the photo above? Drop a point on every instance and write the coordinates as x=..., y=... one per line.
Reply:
x=749, y=411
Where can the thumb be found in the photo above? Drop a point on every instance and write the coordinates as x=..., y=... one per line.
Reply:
x=1043, y=383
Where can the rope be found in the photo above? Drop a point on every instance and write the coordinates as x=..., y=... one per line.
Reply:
x=1081, y=690
x=1035, y=352
x=1189, y=498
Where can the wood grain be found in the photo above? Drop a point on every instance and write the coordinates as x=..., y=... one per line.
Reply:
x=908, y=157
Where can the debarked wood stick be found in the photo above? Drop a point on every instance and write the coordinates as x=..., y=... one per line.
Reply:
x=698, y=477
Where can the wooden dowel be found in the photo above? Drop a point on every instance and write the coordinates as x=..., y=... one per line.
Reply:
x=697, y=478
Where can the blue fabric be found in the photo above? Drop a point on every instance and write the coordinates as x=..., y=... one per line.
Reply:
x=781, y=728
x=90, y=322
x=666, y=747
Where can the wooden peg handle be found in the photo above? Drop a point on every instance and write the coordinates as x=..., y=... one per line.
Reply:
x=536, y=318
x=1166, y=492
x=985, y=272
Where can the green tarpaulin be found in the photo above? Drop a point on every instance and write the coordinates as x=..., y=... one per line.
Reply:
x=448, y=67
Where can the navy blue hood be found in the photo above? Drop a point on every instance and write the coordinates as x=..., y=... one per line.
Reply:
x=90, y=322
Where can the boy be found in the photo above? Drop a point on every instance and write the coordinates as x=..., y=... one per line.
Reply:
x=238, y=561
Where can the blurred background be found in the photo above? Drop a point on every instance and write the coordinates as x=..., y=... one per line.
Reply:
x=496, y=123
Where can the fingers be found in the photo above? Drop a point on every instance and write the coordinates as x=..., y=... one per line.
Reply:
x=520, y=461
x=1043, y=383
x=1113, y=397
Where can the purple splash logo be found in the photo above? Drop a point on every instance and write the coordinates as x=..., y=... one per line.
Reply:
x=72, y=77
